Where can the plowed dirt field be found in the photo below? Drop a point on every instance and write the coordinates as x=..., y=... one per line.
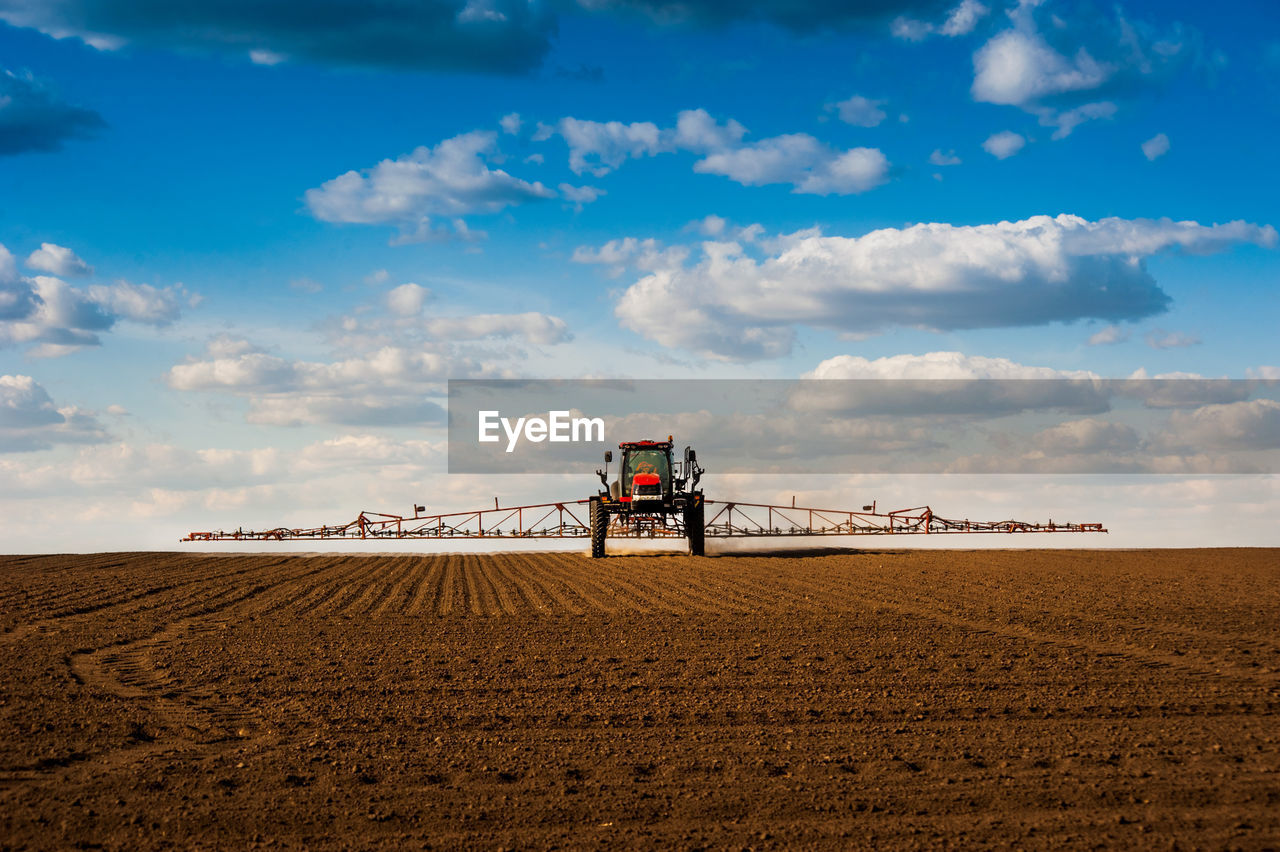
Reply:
x=928, y=699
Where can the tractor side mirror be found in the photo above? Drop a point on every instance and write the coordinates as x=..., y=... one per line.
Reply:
x=691, y=470
x=603, y=473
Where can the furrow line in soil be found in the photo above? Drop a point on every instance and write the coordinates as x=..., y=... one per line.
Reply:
x=426, y=591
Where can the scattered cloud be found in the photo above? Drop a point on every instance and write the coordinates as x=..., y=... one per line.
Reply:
x=395, y=354
x=1155, y=147
x=938, y=158
x=742, y=301
x=147, y=479
x=963, y=18
x=944, y=384
x=1018, y=68
x=710, y=225
x=1067, y=74
x=1108, y=335
x=34, y=118
x=1161, y=339
x=140, y=303
x=1245, y=425
x=809, y=165
x=496, y=36
x=510, y=123
x=960, y=21
x=450, y=180
x=309, y=286
x=859, y=111
x=51, y=317
x=935, y=366
x=1182, y=390
x=599, y=147
x=57, y=260
x=531, y=327
x=1004, y=144
x=579, y=195
x=29, y=419
x=1068, y=120
x=1218, y=438
x=697, y=131
x=407, y=300
x=387, y=387
x=1088, y=436
x=266, y=57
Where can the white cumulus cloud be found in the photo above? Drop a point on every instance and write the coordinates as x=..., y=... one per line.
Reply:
x=860, y=111
x=391, y=367
x=58, y=260
x=1018, y=67
x=1108, y=335
x=1244, y=425
x=733, y=302
x=579, y=196
x=51, y=317
x=809, y=165
x=599, y=147
x=532, y=327
x=452, y=179
x=29, y=419
x=387, y=387
x=1004, y=144
x=959, y=21
x=1155, y=147
x=407, y=300
x=1067, y=73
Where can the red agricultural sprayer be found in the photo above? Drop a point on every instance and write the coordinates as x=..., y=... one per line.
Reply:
x=653, y=496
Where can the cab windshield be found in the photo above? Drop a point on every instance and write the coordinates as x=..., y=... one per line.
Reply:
x=647, y=461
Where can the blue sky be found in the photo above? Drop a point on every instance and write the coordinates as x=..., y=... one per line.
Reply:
x=219, y=171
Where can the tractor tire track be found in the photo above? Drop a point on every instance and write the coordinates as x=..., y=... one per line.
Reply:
x=888, y=595
x=188, y=716
x=147, y=600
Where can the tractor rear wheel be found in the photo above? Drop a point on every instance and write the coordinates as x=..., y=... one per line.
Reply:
x=599, y=528
x=694, y=529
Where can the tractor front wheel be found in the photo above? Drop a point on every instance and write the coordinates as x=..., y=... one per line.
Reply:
x=694, y=529
x=599, y=528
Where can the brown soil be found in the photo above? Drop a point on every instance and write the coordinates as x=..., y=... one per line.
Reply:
x=1040, y=699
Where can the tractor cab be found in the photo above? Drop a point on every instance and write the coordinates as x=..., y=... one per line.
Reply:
x=646, y=471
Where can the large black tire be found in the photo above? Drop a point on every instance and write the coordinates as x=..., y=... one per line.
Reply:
x=599, y=528
x=695, y=529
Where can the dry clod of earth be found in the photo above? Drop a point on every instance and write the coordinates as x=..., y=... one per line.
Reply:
x=913, y=700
